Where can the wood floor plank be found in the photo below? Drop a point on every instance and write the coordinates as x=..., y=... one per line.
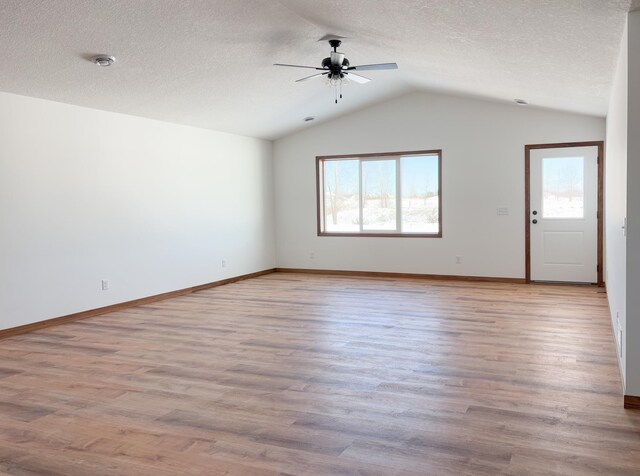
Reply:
x=299, y=374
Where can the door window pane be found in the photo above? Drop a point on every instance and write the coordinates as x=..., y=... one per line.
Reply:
x=563, y=187
x=379, y=195
x=419, y=183
x=341, y=197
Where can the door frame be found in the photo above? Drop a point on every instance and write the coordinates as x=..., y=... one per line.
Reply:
x=527, y=199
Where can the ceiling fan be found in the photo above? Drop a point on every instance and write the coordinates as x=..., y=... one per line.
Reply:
x=337, y=69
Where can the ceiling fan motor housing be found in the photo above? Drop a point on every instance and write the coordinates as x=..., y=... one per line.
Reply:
x=335, y=69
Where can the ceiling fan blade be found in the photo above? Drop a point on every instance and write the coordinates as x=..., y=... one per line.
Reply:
x=357, y=78
x=298, y=66
x=337, y=58
x=374, y=67
x=310, y=77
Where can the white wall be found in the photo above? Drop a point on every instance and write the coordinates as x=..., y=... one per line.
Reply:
x=616, y=200
x=483, y=168
x=633, y=211
x=152, y=206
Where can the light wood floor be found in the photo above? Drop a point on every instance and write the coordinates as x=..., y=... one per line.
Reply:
x=301, y=374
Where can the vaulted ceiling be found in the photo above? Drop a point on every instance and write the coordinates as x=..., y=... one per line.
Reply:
x=209, y=63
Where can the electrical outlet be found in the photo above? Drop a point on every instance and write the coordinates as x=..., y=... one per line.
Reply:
x=105, y=284
x=458, y=259
x=224, y=263
x=502, y=211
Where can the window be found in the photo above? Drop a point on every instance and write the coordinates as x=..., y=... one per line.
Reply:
x=390, y=194
x=563, y=187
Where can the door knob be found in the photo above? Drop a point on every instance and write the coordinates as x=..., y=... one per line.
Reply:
x=534, y=221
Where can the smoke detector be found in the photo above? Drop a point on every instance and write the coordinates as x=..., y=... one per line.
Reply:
x=104, y=61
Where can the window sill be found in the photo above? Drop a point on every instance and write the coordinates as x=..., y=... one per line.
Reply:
x=384, y=235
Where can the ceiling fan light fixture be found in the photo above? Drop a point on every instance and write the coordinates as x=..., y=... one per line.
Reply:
x=336, y=80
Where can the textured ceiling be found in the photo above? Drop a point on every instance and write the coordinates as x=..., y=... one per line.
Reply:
x=208, y=63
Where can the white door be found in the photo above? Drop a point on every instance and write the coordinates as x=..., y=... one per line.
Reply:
x=564, y=214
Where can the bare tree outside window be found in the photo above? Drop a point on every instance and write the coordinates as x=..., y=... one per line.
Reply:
x=340, y=195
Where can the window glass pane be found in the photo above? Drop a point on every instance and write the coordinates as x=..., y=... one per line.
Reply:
x=341, y=196
x=420, y=207
x=379, y=195
x=563, y=187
